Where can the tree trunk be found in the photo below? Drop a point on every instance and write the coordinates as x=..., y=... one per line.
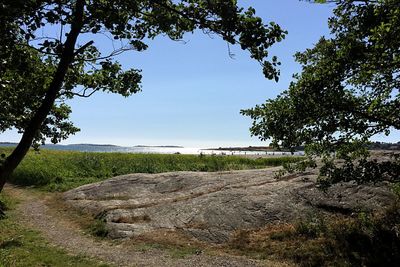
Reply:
x=66, y=58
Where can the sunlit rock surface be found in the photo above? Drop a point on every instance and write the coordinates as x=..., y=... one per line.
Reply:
x=211, y=206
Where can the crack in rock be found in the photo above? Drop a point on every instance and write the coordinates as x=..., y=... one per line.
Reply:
x=211, y=206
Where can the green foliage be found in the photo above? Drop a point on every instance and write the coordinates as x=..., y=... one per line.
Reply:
x=62, y=170
x=396, y=189
x=347, y=90
x=311, y=227
x=6, y=203
x=98, y=228
x=361, y=240
x=361, y=171
x=24, y=76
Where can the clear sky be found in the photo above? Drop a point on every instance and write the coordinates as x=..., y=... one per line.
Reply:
x=193, y=92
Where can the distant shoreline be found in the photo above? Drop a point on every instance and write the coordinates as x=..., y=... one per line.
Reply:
x=371, y=146
x=94, y=145
x=171, y=149
x=160, y=146
x=249, y=148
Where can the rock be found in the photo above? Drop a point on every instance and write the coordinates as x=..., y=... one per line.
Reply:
x=211, y=206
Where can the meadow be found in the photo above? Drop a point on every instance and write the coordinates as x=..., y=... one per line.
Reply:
x=62, y=170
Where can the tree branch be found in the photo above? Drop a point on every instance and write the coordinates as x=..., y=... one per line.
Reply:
x=82, y=48
x=84, y=95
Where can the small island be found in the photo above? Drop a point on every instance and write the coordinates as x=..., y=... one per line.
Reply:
x=159, y=146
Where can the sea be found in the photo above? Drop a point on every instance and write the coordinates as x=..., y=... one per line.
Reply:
x=153, y=149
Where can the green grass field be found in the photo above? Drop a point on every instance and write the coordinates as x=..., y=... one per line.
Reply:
x=62, y=170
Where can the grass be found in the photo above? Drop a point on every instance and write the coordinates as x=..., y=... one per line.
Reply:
x=63, y=170
x=177, y=244
x=360, y=240
x=175, y=251
x=20, y=246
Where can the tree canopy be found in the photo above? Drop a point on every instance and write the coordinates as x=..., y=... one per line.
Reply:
x=48, y=54
x=348, y=89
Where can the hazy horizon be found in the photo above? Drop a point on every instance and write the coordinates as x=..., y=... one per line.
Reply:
x=185, y=143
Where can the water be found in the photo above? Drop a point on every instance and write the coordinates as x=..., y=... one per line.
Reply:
x=154, y=149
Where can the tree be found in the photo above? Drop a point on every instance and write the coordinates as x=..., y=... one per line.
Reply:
x=347, y=92
x=39, y=72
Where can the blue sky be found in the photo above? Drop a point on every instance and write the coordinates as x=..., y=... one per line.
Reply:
x=193, y=93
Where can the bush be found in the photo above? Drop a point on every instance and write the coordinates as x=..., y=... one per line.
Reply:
x=363, y=239
x=98, y=228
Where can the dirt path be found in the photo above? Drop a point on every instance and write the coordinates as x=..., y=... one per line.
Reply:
x=34, y=213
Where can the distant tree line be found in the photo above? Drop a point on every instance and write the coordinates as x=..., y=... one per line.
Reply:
x=384, y=146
